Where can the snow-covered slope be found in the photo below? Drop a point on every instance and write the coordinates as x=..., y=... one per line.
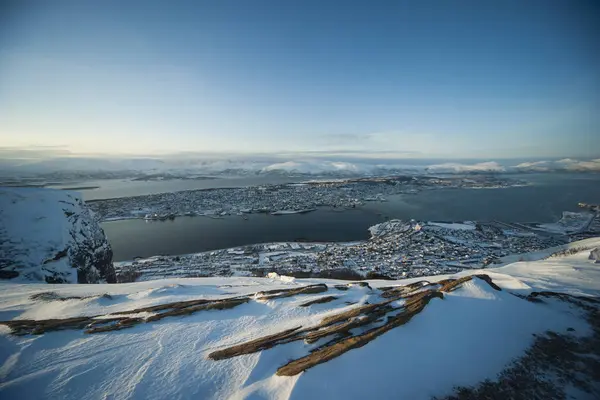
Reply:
x=468, y=335
x=50, y=235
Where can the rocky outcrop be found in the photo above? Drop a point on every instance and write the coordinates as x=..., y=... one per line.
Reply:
x=595, y=255
x=51, y=235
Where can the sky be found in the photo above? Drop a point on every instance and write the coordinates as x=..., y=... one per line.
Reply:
x=422, y=78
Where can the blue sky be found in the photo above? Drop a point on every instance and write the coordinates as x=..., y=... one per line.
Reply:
x=414, y=78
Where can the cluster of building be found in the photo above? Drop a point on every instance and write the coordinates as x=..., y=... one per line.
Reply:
x=397, y=249
x=278, y=199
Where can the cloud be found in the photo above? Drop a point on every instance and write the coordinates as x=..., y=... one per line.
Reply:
x=45, y=159
x=530, y=164
x=312, y=167
x=533, y=166
x=391, y=141
x=489, y=166
x=582, y=166
x=566, y=164
x=33, y=152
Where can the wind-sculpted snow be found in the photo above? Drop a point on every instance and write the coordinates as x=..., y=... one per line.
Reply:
x=410, y=339
x=50, y=235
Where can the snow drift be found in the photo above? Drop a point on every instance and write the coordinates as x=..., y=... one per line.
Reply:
x=50, y=235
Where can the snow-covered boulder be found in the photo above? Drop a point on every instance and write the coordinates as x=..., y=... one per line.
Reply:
x=283, y=278
x=51, y=235
x=392, y=226
x=595, y=255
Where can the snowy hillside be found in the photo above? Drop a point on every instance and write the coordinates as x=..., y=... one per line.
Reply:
x=528, y=328
x=50, y=235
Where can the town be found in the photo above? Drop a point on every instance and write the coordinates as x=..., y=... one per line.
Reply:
x=397, y=249
x=283, y=198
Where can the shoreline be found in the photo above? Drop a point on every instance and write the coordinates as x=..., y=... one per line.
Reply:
x=282, y=199
x=396, y=250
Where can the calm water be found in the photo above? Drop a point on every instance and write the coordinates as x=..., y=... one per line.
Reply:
x=111, y=188
x=543, y=201
x=131, y=238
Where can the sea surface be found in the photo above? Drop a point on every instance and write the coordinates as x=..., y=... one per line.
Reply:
x=112, y=188
x=543, y=200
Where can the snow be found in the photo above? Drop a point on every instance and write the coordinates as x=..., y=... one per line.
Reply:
x=200, y=164
x=283, y=278
x=318, y=166
x=595, y=255
x=34, y=226
x=570, y=222
x=50, y=234
x=586, y=244
x=468, y=336
x=454, y=342
x=393, y=225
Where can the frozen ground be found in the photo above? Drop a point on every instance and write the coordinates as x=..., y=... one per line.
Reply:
x=470, y=335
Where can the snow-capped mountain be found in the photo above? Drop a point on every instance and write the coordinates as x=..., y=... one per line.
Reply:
x=50, y=235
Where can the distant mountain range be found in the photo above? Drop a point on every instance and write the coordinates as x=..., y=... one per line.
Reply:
x=24, y=166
